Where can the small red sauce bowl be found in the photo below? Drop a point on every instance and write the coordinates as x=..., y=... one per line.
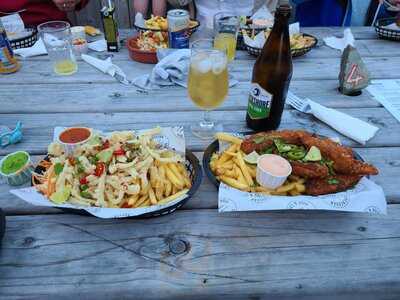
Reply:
x=147, y=57
x=72, y=137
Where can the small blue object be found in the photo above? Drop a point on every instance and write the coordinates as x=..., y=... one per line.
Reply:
x=8, y=136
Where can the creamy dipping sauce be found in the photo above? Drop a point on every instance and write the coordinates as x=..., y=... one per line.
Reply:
x=275, y=165
x=75, y=135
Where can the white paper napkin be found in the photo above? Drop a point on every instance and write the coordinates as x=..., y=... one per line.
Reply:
x=172, y=69
x=340, y=43
x=37, y=49
x=349, y=126
x=106, y=66
x=99, y=45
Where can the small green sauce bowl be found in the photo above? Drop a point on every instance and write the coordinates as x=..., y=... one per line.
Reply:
x=20, y=176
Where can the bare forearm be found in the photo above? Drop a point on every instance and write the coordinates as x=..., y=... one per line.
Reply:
x=159, y=7
x=140, y=6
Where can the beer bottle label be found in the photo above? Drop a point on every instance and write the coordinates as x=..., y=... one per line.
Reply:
x=260, y=101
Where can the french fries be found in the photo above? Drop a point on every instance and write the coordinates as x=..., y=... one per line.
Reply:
x=230, y=168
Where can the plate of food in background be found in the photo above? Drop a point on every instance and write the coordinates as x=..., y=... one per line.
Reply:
x=157, y=23
x=143, y=47
x=300, y=43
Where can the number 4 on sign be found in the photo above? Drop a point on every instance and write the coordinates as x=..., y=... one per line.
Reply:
x=354, y=76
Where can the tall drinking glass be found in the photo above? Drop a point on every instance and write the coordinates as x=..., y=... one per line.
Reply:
x=226, y=27
x=56, y=36
x=207, y=84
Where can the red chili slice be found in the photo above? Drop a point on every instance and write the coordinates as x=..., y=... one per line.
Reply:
x=100, y=167
x=119, y=152
x=83, y=180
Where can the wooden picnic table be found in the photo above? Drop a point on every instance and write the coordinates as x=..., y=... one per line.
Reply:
x=197, y=252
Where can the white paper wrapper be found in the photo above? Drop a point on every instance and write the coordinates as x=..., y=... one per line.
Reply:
x=340, y=43
x=259, y=40
x=170, y=137
x=14, y=27
x=366, y=196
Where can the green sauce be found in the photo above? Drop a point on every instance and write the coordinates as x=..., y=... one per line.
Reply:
x=14, y=163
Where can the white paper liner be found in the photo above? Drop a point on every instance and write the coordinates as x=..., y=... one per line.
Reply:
x=259, y=40
x=170, y=137
x=366, y=196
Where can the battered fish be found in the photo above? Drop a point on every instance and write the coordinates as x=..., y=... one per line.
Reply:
x=309, y=170
x=342, y=157
x=263, y=140
x=330, y=185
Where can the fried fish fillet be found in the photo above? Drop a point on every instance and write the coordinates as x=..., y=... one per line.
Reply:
x=344, y=161
x=330, y=185
x=309, y=170
x=263, y=140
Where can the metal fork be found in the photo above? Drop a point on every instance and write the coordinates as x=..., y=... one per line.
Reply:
x=298, y=103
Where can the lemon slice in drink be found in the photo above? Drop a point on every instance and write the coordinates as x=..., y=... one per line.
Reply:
x=251, y=158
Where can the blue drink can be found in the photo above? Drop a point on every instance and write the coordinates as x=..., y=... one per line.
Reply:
x=178, y=28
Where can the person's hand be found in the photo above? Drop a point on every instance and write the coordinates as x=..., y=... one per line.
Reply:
x=66, y=5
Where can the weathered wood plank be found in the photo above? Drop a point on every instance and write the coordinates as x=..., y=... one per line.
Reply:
x=303, y=69
x=38, y=128
x=387, y=160
x=202, y=254
x=114, y=97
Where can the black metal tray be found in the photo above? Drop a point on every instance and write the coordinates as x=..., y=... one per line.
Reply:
x=386, y=33
x=27, y=41
x=196, y=175
x=214, y=147
x=295, y=52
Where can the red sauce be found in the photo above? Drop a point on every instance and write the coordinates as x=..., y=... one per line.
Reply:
x=74, y=135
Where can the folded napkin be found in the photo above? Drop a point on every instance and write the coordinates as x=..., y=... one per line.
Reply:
x=172, y=69
x=106, y=66
x=99, y=45
x=37, y=49
x=340, y=43
x=349, y=126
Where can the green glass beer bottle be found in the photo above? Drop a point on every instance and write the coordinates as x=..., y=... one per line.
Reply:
x=272, y=72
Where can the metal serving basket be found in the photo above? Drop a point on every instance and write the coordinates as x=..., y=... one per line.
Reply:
x=143, y=29
x=27, y=41
x=295, y=52
x=192, y=166
x=386, y=33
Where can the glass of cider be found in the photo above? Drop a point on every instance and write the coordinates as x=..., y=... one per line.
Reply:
x=226, y=27
x=207, y=84
x=57, y=39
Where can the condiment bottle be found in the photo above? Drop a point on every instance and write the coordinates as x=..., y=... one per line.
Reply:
x=8, y=63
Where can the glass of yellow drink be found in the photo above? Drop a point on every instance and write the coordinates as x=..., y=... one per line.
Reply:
x=207, y=84
x=226, y=27
x=57, y=39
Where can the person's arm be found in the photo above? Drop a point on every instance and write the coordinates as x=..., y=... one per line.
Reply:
x=159, y=7
x=140, y=6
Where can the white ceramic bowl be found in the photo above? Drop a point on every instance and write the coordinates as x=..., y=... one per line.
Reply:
x=268, y=179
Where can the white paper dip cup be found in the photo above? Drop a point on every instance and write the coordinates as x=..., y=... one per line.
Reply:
x=70, y=147
x=265, y=171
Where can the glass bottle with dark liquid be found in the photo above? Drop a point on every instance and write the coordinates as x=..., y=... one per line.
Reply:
x=271, y=76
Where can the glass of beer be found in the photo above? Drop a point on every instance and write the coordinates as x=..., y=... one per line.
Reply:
x=226, y=27
x=57, y=39
x=207, y=84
